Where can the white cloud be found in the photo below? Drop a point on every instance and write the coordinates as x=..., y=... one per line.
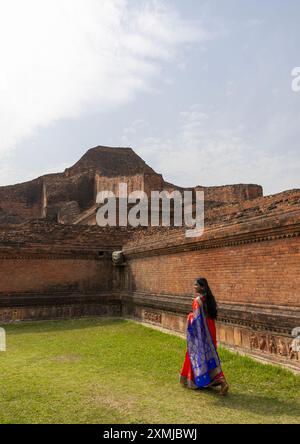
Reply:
x=59, y=57
x=10, y=174
x=203, y=151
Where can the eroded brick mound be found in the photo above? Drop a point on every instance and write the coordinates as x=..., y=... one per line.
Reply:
x=110, y=162
x=66, y=197
x=48, y=196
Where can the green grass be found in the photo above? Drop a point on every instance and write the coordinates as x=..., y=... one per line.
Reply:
x=114, y=371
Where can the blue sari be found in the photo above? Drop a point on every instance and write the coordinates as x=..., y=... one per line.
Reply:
x=202, y=364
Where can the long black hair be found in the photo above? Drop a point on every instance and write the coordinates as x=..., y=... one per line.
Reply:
x=211, y=304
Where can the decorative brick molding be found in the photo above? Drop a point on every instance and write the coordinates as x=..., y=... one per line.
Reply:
x=254, y=230
x=60, y=305
x=152, y=316
x=259, y=330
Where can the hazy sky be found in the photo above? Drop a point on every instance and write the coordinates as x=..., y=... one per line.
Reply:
x=200, y=89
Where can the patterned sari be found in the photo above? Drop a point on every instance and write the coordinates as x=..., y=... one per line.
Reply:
x=202, y=365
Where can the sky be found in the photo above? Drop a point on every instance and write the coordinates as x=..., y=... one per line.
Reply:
x=201, y=90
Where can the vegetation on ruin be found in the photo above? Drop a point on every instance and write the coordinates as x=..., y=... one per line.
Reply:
x=117, y=371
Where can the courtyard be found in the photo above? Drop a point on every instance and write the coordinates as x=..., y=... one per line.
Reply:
x=118, y=371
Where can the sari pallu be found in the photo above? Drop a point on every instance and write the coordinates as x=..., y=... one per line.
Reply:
x=202, y=365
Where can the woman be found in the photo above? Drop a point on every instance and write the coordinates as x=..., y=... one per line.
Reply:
x=202, y=366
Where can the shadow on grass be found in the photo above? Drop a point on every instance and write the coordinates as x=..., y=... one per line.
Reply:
x=60, y=325
x=266, y=406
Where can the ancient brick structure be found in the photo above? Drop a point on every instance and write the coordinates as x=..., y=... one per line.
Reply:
x=252, y=264
x=70, y=196
x=49, y=270
x=99, y=169
x=55, y=263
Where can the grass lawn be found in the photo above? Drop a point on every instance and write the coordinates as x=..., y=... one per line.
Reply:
x=115, y=371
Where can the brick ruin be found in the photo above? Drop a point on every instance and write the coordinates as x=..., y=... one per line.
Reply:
x=57, y=263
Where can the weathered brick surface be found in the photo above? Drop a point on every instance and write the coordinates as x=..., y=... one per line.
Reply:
x=232, y=193
x=53, y=306
x=21, y=201
x=44, y=263
x=41, y=235
x=54, y=274
x=266, y=272
x=138, y=182
x=110, y=162
x=99, y=169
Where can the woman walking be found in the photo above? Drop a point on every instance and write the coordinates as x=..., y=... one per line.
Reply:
x=202, y=366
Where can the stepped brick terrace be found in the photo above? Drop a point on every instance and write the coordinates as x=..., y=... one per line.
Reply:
x=57, y=263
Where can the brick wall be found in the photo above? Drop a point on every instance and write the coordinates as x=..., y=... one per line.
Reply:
x=22, y=200
x=54, y=274
x=41, y=256
x=266, y=272
x=104, y=183
x=50, y=271
x=232, y=193
x=252, y=268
